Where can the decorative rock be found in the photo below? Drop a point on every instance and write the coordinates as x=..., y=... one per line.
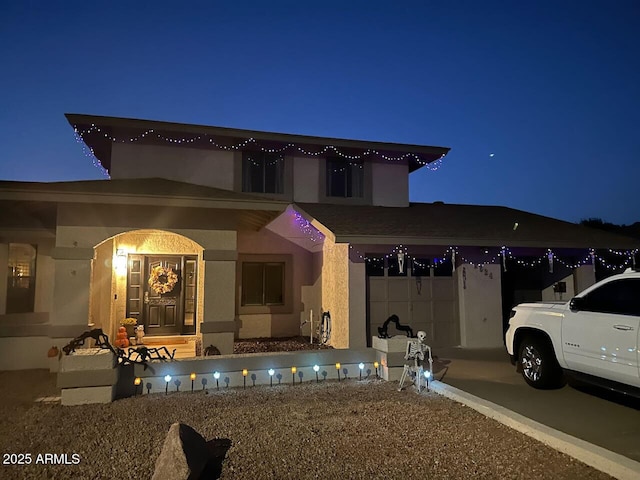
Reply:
x=183, y=456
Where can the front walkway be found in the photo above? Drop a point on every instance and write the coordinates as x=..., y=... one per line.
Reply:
x=598, y=417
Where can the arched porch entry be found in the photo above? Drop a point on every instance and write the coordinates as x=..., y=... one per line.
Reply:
x=154, y=276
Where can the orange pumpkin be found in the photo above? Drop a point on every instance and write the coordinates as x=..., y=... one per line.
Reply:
x=121, y=338
x=53, y=352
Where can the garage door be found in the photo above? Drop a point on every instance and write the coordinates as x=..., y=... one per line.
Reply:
x=424, y=303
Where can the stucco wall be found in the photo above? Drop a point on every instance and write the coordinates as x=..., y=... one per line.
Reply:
x=335, y=290
x=212, y=168
x=89, y=237
x=4, y=265
x=311, y=296
x=102, y=284
x=390, y=184
x=548, y=295
x=584, y=277
x=306, y=180
x=44, y=272
x=357, y=305
x=480, y=297
x=276, y=323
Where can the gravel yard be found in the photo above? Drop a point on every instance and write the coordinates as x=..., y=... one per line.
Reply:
x=352, y=429
x=286, y=344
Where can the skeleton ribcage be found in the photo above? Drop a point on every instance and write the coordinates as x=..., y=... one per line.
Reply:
x=415, y=349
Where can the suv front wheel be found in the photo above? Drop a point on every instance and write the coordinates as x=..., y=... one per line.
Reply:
x=538, y=363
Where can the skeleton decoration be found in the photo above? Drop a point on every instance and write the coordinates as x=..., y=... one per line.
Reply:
x=415, y=356
x=401, y=262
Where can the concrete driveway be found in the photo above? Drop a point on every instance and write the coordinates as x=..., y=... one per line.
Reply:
x=608, y=420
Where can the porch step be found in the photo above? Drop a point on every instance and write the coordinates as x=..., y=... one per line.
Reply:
x=167, y=340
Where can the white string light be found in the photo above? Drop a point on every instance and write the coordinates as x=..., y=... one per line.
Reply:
x=451, y=253
x=174, y=140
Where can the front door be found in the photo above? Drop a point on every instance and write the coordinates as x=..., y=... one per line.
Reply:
x=158, y=294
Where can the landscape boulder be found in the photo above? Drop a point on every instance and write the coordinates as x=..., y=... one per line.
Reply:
x=184, y=454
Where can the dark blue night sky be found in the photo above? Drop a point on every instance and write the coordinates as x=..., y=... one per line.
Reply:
x=551, y=89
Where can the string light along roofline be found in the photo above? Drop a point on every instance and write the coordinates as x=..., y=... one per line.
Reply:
x=98, y=133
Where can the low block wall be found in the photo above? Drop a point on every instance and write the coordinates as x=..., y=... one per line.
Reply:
x=88, y=375
x=257, y=365
x=390, y=354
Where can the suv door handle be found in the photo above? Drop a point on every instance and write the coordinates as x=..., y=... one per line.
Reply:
x=625, y=328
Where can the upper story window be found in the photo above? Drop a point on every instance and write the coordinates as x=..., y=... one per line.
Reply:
x=345, y=178
x=21, y=281
x=262, y=172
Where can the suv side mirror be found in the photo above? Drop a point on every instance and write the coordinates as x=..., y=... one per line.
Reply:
x=576, y=304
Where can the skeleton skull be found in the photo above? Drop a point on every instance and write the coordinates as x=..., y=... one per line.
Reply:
x=422, y=336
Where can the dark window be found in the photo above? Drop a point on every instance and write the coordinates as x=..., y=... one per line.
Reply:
x=345, y=178
x=442, y=267
x=619, y=296
x=21, y=281
x=262, y=172
x=374, y=266
x=421, y=267
x=262, y=283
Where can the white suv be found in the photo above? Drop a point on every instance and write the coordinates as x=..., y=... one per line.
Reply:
x=594, y=336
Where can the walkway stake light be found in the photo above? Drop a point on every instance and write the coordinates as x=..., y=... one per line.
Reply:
x=316, y=369
x=338, y=369
x=427, y=376
x=244, y=378
x=376, y=365
x=137, y=382
x=192, y=377
x=293, y=374
x=167, y=378
x=361, y=367
x=216, y=375
x=271, y=373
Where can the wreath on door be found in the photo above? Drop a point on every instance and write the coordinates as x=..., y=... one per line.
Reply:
x=162, y=279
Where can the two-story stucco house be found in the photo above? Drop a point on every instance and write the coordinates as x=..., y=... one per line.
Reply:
x=224, y=233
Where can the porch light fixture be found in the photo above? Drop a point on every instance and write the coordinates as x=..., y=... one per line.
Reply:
x=216, y=375
x=271, y=373
x=338, y=369
x=293, y=374
x=376, y=365
x=244, y=378
x=192, y=377
x=316, y=369
x=361, y=367
x=121, y=261
x=167, y=378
